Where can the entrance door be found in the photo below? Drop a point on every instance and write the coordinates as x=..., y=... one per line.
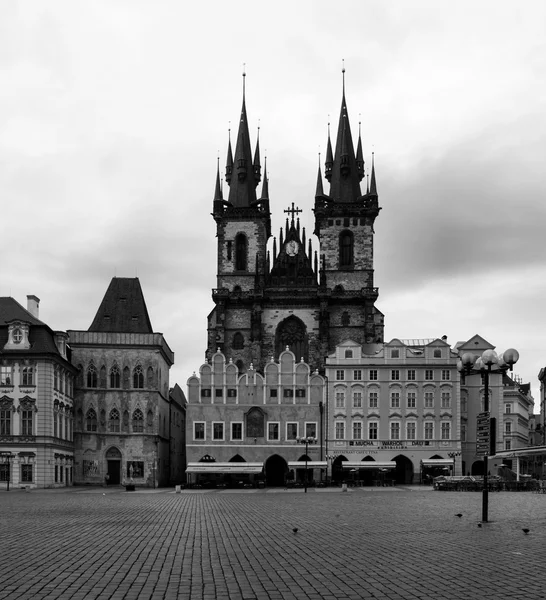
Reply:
x=114, y=472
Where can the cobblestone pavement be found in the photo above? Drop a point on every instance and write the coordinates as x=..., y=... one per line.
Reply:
x=84, y=544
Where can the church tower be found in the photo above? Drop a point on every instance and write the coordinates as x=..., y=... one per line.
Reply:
x=344, y=224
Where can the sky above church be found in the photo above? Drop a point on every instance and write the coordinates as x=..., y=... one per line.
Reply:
x=113, y=114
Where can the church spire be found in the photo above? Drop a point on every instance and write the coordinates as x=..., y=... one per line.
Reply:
x=256, y=165
x=265, y=184
x=329, y=158
x=242, y=191
x=373, y=185
x=218, y=189
x=359, y=155
x=320, y=189
x=229, y=161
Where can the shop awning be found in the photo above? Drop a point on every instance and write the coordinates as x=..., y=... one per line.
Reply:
x=437, y=462
x=311, y=464
x=368, y=464
x=220, y=467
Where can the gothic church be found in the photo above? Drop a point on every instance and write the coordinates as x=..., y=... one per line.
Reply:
x=289, y=295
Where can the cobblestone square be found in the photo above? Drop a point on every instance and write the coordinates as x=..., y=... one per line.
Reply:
x=393, y=544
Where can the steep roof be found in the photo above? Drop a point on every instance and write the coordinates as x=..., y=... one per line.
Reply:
x=123, y=309
x=11, y=310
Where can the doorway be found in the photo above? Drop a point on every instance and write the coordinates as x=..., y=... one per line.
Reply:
x=114, y=472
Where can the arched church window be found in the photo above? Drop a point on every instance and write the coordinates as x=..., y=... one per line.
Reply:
x=138, y=377
x=241, y=246
x=91, y=420
x=346, y=249
x=115, y=377
x=138, y=421
x=113, y=421
x=238, y=341
x=292, y=333
x=92, y=376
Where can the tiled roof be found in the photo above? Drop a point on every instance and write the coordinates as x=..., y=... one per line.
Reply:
x=11, y=310
x=123, y=309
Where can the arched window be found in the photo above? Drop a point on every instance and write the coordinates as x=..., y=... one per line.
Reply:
x=115, y=377
x=292, y=333
x=113, y=421
x=346, y=249
x=345, y=318
x=138, y=378
x=138, y=421
x=238, y=341
x=91, y=420
x=150, y=377
x=92, y=376
x=241, y=252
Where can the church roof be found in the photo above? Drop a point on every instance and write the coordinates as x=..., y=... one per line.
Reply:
x=123, y=309
x=11, y=310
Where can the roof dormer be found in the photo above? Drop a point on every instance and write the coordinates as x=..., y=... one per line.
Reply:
x=18, y=336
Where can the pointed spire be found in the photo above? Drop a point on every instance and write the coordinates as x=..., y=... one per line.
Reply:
x=359, y=155
x=373, y=185
x=265, y=184
x=229, y=161
x=218, y=189
x=329, y=158
x=320, y=189
x=303, y=237
x=281, y=239
x=256, y=164
x=274, y=249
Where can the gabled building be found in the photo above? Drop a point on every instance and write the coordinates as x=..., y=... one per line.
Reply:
x=122, y=427
x=36, y=399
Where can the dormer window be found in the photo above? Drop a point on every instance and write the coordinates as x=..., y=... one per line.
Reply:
x=17, y=335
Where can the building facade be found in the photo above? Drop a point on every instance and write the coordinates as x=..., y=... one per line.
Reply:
x=268, y=298
x=122, y=411
x=36, y=400
x=245, y=426
x=393, y=411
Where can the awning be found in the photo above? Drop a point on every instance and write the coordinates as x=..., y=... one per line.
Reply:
x=368, y=464
x=220, y=467
x=437, y=462
x=311, y=464
x=521, y=452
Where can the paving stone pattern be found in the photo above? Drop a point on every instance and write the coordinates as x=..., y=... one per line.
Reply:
x=208, y=545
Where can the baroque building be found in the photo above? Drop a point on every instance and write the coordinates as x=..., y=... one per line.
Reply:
x=123, y=414
x=290, y=295
x=36, y=399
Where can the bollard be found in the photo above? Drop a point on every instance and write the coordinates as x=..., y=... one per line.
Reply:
x=178, y=489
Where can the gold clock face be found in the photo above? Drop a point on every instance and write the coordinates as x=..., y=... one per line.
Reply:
x=292, y=248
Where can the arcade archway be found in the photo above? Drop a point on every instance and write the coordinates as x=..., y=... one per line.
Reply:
x=276, y=470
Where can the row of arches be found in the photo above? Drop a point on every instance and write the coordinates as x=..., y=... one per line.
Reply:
x=116, y=378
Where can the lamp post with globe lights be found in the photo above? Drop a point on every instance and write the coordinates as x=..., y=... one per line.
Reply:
x=453, y=455
x=488, y=362
x=306, y=440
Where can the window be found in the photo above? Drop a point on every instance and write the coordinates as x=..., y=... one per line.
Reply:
x=437, y=353
x=273, y=393
x=372, y=430
x=357, y=430
x=218, y=431
x=272, y=431
x=138, y=378
x=90, y=420
x=508, y=427
x=508, y=444
x=395, y=375
x=346, y=249
x=463, y=404
x=238, y=341
x=241, y=252
x=411, y=374
x=115, y=377
x=291, y=431
x=219, y=392
x=340, y=375
x=288, y=393
x=138, y=421
x=412, y=399
x=373, y=374
x=28, y=378
x=429, y=375
x=357, y=399
x=300, y=393
x=26, y=423
x=311, y=430
x=429, y=430
x=357, y=375
x=507, y=408
x=232, y=393
x=446, y=374
x=345, y=321
x=5, y=422
x=113, y=421
x=373, y=399
x=135, y=469
x=236, y=431
x=348, y=353
x=229, y=249
x=395, y=399
x=429, y=399
x=205, y=392
x=60, y=425
x=26, y=473
x=446, y=430
x=463, y=433
x=395, y=430
x=340, y=430
x=92, y=379
x=446, y=400
x=5, y=472
x=199, y=430
x=56, y=378
x=395, y=353
x=411, y=430
x=340, y=399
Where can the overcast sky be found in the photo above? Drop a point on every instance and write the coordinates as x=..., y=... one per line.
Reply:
x=112, y=115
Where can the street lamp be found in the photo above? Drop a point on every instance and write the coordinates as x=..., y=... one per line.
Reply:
x=470, y=364
x=453, y=455
x=306, y=440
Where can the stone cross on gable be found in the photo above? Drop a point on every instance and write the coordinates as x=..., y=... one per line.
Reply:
x=293, y=210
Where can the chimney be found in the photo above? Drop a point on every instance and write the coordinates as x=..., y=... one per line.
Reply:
x=33, y=306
